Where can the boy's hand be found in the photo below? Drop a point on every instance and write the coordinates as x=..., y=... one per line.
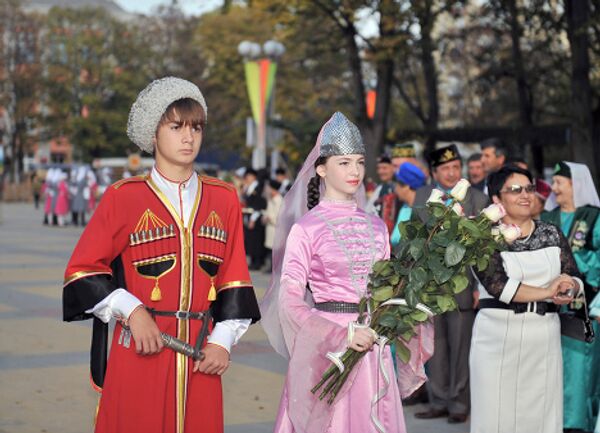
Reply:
x=216, y=360
x=145, y=332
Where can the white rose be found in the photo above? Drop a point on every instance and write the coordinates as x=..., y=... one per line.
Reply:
x=436, y=196
x=458, y=209
x=460, y=189
x=510, y=232
x=496, y=233
x=494, y=212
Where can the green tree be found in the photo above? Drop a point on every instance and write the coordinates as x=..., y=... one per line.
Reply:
x=22, y=69
x=579, y=16
x=95, y=67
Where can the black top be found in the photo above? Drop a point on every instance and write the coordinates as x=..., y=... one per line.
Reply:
x=545, y=235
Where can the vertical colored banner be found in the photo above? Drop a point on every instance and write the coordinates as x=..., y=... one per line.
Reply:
x=253, y=86
x=260, y=78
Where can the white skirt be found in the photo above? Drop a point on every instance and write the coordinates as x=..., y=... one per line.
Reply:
x=516, y=373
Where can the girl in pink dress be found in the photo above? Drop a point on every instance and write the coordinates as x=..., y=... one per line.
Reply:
x=62, y=200
x=315, y=291
x=93, y=190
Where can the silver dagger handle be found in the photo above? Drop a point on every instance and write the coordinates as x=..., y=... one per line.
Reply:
x=182, y=347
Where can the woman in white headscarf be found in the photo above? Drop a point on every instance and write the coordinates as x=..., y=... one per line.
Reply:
x=574, y=206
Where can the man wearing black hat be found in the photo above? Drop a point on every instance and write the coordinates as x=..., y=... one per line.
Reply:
x=281, y=176
x=254, y=229
x=448, y=368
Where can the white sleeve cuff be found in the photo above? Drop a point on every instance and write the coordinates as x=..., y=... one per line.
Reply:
x=119, y=304
x=228, y=332
x=510, y=290
x=255, y=216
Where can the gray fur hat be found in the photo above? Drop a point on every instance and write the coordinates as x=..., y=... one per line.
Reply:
x=152, y=103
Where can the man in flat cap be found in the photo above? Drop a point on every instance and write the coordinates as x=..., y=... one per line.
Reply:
x=164, y=255
x=448, y=368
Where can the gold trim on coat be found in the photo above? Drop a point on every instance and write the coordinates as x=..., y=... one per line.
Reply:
x=186, y=238
x=156, y=260
x=83, y=274
x=233, y=284
x=165, y=201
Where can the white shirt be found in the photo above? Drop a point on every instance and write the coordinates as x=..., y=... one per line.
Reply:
x=121, y=303
x=284, y=186
x=256, y=214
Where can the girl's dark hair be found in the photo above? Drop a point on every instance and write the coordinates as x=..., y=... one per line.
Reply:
x=496, y=180
x=313, y=192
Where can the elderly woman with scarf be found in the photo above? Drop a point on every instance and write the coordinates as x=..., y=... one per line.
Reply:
x=329, y=252
x=574, y=207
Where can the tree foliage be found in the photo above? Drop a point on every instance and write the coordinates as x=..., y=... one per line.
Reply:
x=20, y=77
x=515, y=66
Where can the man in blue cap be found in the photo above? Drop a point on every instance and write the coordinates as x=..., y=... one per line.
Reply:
x=408, y=178
x=448, y=368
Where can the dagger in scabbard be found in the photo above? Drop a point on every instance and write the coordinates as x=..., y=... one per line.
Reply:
x=182, y=347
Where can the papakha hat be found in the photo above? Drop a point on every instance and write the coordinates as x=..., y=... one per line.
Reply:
x=404, y=150
x=151, y=104
x=444, y=155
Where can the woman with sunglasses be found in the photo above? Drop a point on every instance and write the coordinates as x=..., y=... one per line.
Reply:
x=515, y=361
x=574, y=208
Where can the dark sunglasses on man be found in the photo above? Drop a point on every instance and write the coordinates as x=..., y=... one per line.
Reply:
x=518, y=189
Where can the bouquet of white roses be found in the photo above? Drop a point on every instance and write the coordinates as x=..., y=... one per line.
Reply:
x=430, y=265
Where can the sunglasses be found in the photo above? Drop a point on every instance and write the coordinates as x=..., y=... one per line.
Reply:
x=518, y=189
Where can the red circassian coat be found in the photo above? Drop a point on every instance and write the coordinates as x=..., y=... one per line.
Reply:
x=136, y=240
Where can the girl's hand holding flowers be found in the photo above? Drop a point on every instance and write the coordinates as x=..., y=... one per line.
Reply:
x=363, y=339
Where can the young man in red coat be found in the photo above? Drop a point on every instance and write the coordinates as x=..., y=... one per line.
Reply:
x=163, y=253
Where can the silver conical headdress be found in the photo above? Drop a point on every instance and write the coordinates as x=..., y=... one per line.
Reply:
x=339, y=136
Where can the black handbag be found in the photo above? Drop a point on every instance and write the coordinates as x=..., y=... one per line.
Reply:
x=577, y=324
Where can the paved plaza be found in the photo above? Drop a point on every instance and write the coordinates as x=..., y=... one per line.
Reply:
x=44, y=362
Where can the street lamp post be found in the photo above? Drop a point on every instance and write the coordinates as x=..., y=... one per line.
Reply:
x=260, y=65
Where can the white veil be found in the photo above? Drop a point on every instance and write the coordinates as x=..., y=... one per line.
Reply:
x=293, y=208
x=584, y=191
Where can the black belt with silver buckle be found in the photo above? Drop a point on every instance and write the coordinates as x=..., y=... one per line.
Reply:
x=179, y=314
x=540, y=308
x=205, y=316
x=337, y=307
